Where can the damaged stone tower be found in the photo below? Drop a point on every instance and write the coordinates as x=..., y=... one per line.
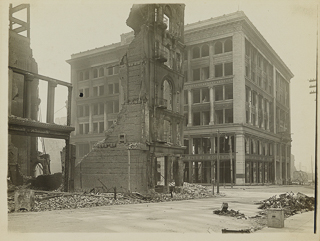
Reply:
x=142, y=149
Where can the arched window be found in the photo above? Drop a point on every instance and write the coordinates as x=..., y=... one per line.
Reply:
x=101, y=72
x=196, y=52
x=167, y=94
x=95, y=73
x=218, y=48
x=205, y=50
x=86, y=74
x=80, y=76
x=228, y=45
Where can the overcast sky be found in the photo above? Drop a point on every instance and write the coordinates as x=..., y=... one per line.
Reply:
x=62, y=28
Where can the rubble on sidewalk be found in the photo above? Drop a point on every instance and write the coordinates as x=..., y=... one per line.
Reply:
x=291, y=203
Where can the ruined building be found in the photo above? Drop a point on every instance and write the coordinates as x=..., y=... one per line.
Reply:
x=143, y=146
x=236, y=90
x=24, y=126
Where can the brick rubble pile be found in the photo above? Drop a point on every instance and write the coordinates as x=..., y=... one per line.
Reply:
x=46, y=201
x=291, y=203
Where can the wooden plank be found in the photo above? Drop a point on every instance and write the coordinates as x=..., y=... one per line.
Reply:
x=18, y=21
x=42, y=77
x=19, y=7
x=20, y=29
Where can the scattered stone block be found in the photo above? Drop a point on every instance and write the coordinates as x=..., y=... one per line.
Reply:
x=24, y=200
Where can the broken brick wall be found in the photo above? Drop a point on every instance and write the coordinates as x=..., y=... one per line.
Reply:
x=20, y=56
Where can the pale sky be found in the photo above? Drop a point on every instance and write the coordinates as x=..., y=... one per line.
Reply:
x=61, y=28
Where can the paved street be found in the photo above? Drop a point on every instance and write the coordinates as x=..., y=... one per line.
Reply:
x=178, y=216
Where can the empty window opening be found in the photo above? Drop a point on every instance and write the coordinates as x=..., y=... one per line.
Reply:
x=95, y=91
x=101, y=127
x=101, y=72
x=196, y=118
x=122, y=138
x=196, y=74
x=86, y=92
x=95, y=127
x=95, y=73
x=228, y=45
x=167, y=94
x=205, y=73
x=86, y=128
x=95, y=109
x=196, y=52
x=205, y=50
x=196, y=96
x=205, y=117
x=218, y=70
x=185, y=97
x=80, y=76
x=229, y=115
x=228, y=69
x=110, y=71
x=218, y=48
x=219, y=116
x=101, y=90
x=229, y=92
x=86, y=74
x=205, y=95
x=218, y=93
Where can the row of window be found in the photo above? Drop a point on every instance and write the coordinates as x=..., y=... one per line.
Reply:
x=99, y=90
x=221, y=92
x=97, y=127
x=201, y=118
x=258, y=147
x=98, y=108
x=203, y=73
x=97, y=72
x=219, y=47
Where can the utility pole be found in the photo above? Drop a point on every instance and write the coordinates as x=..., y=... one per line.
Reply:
x=218, y=162
x=231, y=164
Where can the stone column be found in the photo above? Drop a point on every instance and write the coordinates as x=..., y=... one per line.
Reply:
x=50, y=102
x=274, y=101
x=286, y=164
x=223, y=92
x=105, y=117
x=262, y=113
x=257, y=110
x=281, y=161
x=211, y=89
x=90, y=118
x=190, y=162
x=189, y=70
x=211, y=62
x=240, y=159
x=239, y=87
x=189, y=108
x=250, y=106
x=268, y=115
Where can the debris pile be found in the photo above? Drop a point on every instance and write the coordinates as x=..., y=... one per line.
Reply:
x=55, y=200
x=290, y=202
x=231, y=213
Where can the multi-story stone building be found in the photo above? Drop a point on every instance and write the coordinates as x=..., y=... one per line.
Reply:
x=236, y=88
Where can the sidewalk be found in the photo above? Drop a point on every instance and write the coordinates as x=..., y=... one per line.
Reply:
x=299, y=223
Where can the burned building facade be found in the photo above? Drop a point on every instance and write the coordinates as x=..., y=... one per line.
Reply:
x=24, y=126
x=143, y=146
x=235, y=101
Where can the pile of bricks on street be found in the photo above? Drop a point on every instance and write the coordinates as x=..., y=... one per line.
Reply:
x=291, y=203
x=55, y=200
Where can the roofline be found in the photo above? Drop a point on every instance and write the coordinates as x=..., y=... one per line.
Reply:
x=188, y=28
